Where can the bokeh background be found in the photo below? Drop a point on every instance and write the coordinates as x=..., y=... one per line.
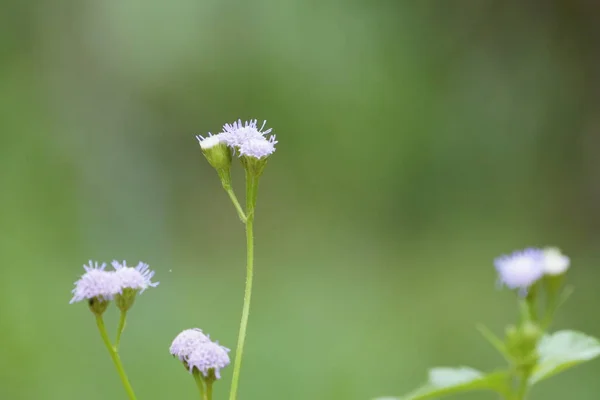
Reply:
x=418, y=141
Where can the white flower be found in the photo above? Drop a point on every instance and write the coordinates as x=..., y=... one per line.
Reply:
x=138, y=278
x=186, y=342
x=209, y=141
x=209, y=356
x=555, y=263
x=258, y=148
x=520, y=269
x=248, y=138
x=95, y=283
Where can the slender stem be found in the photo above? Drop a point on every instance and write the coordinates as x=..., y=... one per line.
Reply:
x=209, y=383
x=523, y=386
x=251, y=188
x=236, y=203
x=198, y=380
x=121, y=328
x=114, y=355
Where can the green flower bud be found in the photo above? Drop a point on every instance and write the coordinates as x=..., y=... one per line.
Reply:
x=216, y=152
x=98, y=305
x=126, y=299
x=255, y=166
x=522, y=342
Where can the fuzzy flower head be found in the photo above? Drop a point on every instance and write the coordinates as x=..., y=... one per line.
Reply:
x=96, y=283
x=208, y=357
x=248, y=139
x=138, y=278
x=186, y=342
x=209, y=141
x=520, y=269
x=555, y=263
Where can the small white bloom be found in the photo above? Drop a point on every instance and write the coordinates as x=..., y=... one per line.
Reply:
x=258, y=148
x=138, y=278
x=186, y=342
x=209, y=141
x=95, y=283
x=209, y=355
x=555, y=263
x=248, y=138
x=520, y=269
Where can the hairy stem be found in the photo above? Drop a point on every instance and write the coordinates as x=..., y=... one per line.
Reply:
x=114, y=355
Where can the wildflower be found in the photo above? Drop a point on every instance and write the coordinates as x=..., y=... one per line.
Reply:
x=208, y=358
x=248, y=139
x=198, y=352
x=138, y=278
x=130, y=281
x=258, y=147
x=520, y=269
x=555, y=263
x=186, y=342
x=97, y=286
x=96, y=283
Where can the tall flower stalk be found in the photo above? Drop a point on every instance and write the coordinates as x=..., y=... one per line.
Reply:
x=253, y=148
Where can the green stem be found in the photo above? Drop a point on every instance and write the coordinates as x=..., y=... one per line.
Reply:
x=523, y=386
x=198, y=380
x=251, y=189
x=236, y=203
x=114, y=355
x=120, y=329
x=209, y=383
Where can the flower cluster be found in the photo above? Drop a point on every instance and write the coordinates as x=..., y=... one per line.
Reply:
x=523, y=268
x=197, y=351
x=99, y=284
x=245, y=138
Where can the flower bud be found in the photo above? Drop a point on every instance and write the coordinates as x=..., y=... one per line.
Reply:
x=216, y=151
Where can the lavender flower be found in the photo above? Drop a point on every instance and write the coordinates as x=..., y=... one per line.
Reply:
x=196, y=350
x=186, y=342
x=555, y=263
x=209, y=356
x=138, y=278
x=520, y=269
x=249, y=139
x=96, y=283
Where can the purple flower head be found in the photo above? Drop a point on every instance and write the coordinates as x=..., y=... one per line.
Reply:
x=520, y=269
x=248, y=138
x=209, y=356
x=138, y=278
x=95, y=283
x=186, y=342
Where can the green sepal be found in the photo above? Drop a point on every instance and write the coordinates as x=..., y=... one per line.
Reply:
x=125, y=299
x=98, y=305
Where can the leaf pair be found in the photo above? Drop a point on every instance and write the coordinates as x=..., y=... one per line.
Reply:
x=557, y=352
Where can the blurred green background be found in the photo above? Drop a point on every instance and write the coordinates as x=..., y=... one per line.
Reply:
x=418, y=140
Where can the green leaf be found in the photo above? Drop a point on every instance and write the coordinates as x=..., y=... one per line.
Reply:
x=445, y=381
x=562, y=350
